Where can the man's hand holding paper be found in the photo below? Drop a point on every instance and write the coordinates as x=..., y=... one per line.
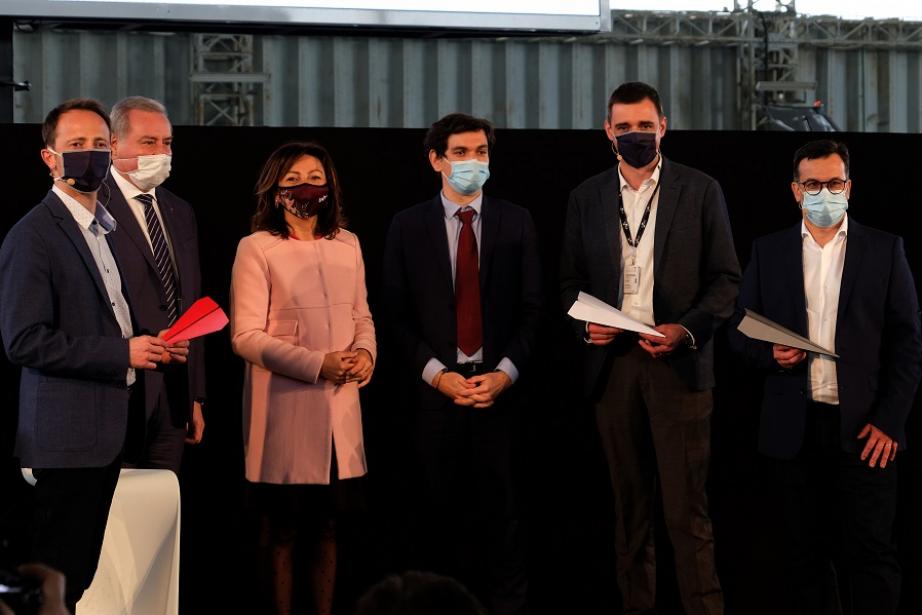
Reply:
x=605, y=321
x=671, y=337
x=174, y=352
x=787, y=357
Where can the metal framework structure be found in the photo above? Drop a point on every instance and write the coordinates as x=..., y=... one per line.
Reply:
x=225, y=86
x=767, y=43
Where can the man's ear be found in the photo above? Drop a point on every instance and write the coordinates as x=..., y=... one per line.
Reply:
x=436, y=161
x=49, y=159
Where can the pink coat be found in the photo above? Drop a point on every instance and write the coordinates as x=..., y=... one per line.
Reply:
x=291, y=303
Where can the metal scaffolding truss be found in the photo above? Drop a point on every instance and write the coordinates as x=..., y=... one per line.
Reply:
x=741, y=26
x=225, y=86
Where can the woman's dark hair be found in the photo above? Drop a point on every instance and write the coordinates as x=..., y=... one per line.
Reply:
x=270, y=217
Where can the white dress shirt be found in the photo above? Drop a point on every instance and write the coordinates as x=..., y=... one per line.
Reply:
x=639, y=305
x=130, y=191
x=822, y=281
x=453, y=233
x=94, y=230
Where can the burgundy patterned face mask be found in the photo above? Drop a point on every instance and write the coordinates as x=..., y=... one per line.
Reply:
x=304, y=200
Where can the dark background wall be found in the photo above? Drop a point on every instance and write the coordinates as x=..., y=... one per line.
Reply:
x=565, y=480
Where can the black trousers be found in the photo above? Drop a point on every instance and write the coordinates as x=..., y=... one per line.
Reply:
x=837, y=515
x=70, y=516
x=71, y=511
x=471, y=528
x=655, y=430
x=164, y=441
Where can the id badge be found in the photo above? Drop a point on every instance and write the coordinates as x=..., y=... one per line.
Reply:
x=631, y=280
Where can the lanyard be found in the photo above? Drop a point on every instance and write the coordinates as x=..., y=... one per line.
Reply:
x=643, y=221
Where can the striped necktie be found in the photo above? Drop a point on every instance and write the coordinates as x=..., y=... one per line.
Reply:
x=161, y=255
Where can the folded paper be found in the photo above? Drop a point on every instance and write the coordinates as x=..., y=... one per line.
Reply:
x=203, y=317
x=760, y=328
x=588, y=308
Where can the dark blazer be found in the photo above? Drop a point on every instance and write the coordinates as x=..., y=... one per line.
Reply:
x=877, y=336
x=58, y=325
x=695, y=270
x=420, y=295
x=139, y=274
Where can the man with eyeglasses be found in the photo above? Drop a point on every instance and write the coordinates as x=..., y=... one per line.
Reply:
x=833, y=427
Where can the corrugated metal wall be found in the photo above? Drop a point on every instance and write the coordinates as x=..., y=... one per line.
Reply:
x=410, y=82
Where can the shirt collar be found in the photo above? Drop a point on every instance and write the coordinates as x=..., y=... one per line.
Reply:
x=451, y=208
x=843, y=230
x=81, y=214
x=650, y=181
x=129, y=190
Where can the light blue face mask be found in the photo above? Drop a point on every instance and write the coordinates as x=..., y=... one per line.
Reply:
x=825, y=209
x=468, y=176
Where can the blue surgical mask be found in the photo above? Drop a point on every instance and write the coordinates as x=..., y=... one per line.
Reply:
x=825, y=209
x=468, y=176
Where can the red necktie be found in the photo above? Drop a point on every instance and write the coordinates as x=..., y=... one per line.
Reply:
x=467, y=287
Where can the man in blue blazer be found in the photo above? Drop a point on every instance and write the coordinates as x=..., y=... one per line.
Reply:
x=834, y=427
x=65, y=319
x=462, y=281
x=157, y=252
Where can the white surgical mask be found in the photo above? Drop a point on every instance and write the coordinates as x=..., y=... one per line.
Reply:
x=152, y=171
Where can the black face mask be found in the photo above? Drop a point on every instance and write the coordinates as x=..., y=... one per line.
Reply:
x=638, y=149
x=85, y=169
x=304, y=200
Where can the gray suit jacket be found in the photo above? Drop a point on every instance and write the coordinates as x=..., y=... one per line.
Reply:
x=58, y=325
x=695, y=270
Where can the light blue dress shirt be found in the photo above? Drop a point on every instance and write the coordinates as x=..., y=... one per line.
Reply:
x=94, y=229
x=453, y=232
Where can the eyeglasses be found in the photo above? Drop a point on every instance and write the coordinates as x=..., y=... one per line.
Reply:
x=835, y=186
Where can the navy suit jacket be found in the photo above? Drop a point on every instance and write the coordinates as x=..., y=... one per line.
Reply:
x=695, y=270
x=877, y=337
x=420, y=295
x=58, y=325
x=183, y=383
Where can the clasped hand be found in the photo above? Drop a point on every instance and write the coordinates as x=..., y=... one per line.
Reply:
x=348, y=366
x=477, y=391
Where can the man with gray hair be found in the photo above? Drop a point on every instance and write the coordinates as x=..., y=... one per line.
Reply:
x=157, y=250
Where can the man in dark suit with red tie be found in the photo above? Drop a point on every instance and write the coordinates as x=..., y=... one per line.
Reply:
x=157, y=249
x=462, y=283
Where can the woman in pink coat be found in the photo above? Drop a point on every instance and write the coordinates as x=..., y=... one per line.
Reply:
x=300, y=319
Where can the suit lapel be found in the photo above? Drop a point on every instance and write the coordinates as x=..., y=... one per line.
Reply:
x=72, y=230
x=489, y=227
x=611, y=221
x=793, y=257
x=438, y=239
x=666, y=207
x=854, y=252
x=128, y=223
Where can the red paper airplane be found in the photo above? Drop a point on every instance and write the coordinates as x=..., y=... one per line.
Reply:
x=203, y=317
